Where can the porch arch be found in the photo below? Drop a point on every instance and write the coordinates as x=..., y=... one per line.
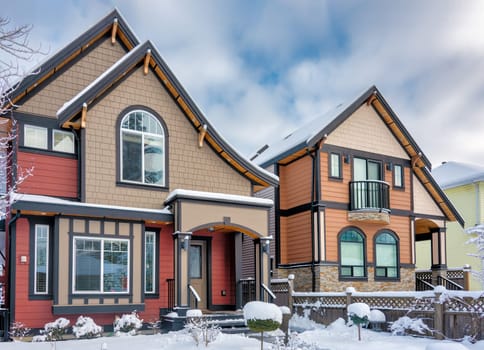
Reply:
x=435, y=232
x=227, y=227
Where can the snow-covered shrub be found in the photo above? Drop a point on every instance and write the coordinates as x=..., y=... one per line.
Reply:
x=405, y=325
x=154, y=325
x=359, y=313
x=55, y=330
x=200, y=328
x=262, y=317
x=127, y=324
x=85, y=327
x=19, y=330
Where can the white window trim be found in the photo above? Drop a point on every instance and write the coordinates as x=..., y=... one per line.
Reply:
x=142, y=133
x=151, y=233
x=54, y=131
x=27, y=126
x=47, y=262
x=74, y=291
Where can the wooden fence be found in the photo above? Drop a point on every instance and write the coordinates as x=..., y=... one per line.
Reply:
x=450, y=314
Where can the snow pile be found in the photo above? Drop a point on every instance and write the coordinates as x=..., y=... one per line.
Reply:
x=377, y=316
x=405, y=324
x=360, y=310
x=285, y=310
x=258, y=310
x=85, y=327
x=303, y=323
x=127, y=324
x=194, y=313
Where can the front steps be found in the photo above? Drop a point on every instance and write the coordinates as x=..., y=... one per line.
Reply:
x=229, y=322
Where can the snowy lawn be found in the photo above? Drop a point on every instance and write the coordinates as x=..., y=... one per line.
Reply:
x=311, y=336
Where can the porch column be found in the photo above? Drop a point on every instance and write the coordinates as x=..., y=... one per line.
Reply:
x=263, y=271
x=439, y=254
x=181, y=246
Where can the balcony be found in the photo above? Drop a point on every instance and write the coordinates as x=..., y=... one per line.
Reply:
x=369, y=201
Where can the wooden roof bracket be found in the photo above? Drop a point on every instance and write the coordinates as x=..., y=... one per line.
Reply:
x=114, y=31
x=81, y=123
x=370, y=99
x=201, y=135
x=147, y=62
x=417, y=159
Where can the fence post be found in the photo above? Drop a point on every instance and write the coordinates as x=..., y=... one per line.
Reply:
x=467, y=276
x=290, y=283
x=438, y=316
x=349, y=298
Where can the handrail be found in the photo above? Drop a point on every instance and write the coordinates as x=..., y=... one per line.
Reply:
x=268, y=291
x=425, y=283
x=195, y=294
x=450, y=283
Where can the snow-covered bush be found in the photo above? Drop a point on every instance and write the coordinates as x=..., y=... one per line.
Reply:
x=262, y=317
x=200, y=328
x=19, y=330
x=85, y=327
x=405, y=325
x=359, y=314
x=55, y=330
x=128, y=324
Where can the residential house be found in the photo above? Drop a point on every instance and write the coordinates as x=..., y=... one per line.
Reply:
x=463, y=183
x=136, y=202
x=355, y=195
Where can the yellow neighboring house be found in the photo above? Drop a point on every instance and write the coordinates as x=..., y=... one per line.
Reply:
x=463, y=183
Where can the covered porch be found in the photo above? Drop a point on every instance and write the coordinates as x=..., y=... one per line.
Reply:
x=209, y=229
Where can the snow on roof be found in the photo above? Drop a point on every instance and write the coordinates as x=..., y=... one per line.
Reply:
x=259, y=310
x=453, y=174
x=214, y=196
x=53, y=200
x=302, y=135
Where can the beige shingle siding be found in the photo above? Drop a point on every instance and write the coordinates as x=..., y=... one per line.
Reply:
x=65, y=86
x=190, y=167
x=365, y=131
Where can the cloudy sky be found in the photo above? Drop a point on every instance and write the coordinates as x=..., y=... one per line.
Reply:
x=259, y=69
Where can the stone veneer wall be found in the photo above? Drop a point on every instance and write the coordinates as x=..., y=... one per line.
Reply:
x=327, y=278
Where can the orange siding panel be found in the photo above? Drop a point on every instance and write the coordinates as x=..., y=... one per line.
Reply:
x=51, y=176
x=295, y=183
x=333, y=190
x=296, y=238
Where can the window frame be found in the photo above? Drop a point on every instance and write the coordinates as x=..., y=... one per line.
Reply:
x=340, y=257
x=149, y=232
x=54, y=131
x=394, y=176
x=38, y=128
x=397, y=257
x=47, y=253
x=339, y=176
x=119, y=145
x=101, y=290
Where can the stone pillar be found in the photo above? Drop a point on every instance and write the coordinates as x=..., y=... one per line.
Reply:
x=438, y=317
x=181, y=246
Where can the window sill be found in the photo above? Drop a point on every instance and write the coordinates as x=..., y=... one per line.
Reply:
x=142, y=186
x=348, y=278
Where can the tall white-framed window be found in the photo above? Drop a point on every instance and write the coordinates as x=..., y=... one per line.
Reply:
x=397, y=176
x=35, y=136
x=101, y=265
x=335, y=162
x=142, y=149
x=41, y=266
x=386, y=255
x=352, y=254
x=150, y=262
x=63, y=141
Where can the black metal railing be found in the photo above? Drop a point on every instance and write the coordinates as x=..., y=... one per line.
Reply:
x=247, y=290
x=171, y=292
x=371, y=194
x=448, y=284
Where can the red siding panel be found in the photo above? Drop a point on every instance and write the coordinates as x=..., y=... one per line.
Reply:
x=52, y=176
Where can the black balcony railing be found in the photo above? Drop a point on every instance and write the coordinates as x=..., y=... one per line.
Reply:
x=371, y=194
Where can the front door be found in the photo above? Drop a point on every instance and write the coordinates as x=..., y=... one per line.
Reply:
x=198, y=271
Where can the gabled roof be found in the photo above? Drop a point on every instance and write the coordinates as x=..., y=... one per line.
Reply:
x=149, y=55
x=307, y=137
x=453, y=174
x=74, y=49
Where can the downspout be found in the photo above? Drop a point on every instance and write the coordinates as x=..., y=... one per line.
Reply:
x=11, y=290
x=313, y=195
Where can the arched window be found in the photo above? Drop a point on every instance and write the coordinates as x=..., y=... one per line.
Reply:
x=142, y=149
x=352, y=253
x=386, y=255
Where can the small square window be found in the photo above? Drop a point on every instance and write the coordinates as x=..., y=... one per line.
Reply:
x=398, y=176
x=335, y=165
x=62, y=141
x=35, y=136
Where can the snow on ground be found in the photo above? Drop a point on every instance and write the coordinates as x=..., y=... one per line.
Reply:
x=336, y=336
